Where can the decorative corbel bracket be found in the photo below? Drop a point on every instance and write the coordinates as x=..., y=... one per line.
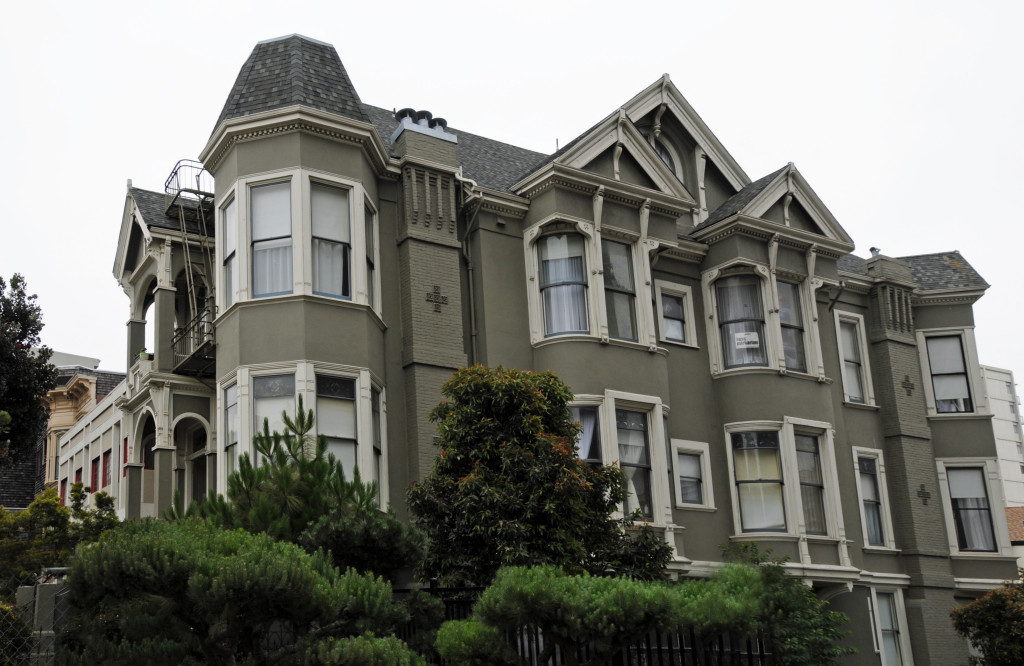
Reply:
x=598, y=207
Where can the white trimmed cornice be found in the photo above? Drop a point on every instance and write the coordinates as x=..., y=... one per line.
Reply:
x=585, y=182
x=947, y=297
x=791, y=182
x=296, y=118
x=765, y=230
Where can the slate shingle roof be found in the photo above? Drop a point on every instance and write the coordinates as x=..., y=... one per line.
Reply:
x=739, y=201
x=944, y=270
x=932, y=272
x=292, y=70
x=153, y=207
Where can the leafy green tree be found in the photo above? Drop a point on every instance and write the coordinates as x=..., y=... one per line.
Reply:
x=994, y=624
x=25, y=370
x=804, y=632
x=191, y=592
x=46, y=533
x=365, y=650
x=601, y=614
x=299, y=493
x=508, y=488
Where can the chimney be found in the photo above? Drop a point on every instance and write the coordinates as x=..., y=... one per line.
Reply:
x=422, y=136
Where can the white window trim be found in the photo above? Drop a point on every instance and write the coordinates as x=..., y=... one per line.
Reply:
x=689, y=325
x=975, y=380
x=996, y=502
x=597, y=315
x=883, y=496
x=865, y=362
x=660, y=494
x=788, y=428
x=301, y=237
x=901, y=620
x=702, y=450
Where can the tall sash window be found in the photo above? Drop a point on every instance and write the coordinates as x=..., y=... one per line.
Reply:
x=270, y=214
x=332, y=240
x=741, y=321
x=563, y=284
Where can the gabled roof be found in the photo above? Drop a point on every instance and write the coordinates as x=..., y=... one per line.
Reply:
x=737, y=202
x=492, y=164
x=942, y=271
x=757, y=198
x=288, y=71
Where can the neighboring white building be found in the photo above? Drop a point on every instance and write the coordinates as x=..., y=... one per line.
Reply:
x=1006, y=424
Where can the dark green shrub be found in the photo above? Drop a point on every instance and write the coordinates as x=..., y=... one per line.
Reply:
x=365, y=650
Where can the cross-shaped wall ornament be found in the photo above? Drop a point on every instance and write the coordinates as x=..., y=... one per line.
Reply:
x=923, y=494
x=909, y=385
x=436, y=298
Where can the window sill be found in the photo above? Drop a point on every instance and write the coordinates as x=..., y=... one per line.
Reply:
x=766, y=370
x=676, y=343
x=695, y=507
x=959, y=416
x=881, y=550
x=985, y=555
x=576, y=337
x=764, y=536
x=861, y=405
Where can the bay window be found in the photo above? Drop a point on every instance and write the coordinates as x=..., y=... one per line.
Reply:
x=336, y=418
x=784, y=478
x=948, y=368
x=635, y=461
x=563, y=284
x=741, y=321
x=619, y=290
x=332, y=240
x=791, y=320
x=377, y=426
x=271, y=229
x=370, y=236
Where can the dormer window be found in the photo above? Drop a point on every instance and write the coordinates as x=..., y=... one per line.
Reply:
x=665, y=155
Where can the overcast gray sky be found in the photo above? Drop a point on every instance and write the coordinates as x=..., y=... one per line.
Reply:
x=905, y=117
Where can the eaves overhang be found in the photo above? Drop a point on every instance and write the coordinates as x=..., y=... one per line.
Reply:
x=761, y=228
x=296, y=118
x=947, y=296
x=559, y=175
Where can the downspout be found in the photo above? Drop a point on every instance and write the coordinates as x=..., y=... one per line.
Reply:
x=475, y=199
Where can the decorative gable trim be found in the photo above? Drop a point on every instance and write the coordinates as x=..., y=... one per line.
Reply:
x=131, y=216
x=789, y=185
x=664, y=96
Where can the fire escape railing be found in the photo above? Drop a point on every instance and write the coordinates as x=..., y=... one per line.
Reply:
x=194, y=336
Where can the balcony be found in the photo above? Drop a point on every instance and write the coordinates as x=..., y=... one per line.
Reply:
x=194, y=347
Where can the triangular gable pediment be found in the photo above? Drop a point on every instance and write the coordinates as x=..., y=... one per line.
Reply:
x=133, y=232
x=618, y=134
x=664, y=97
x=805, y=210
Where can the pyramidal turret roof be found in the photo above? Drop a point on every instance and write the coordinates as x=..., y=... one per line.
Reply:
x=292, y=70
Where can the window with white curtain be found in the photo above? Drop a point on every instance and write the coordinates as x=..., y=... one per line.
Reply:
x=758, y=467
x=271, y=228
x=741, y=321
x=972, y=514
x=948, y=368
x=619, y=290
x=332, y=240
x=336, y=418
x=791, y=321
x=588, y=442
x=635, y=461
x=229, y=232
x=563, y=284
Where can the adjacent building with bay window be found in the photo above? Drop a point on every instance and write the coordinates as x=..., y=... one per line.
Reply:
x=754, y=379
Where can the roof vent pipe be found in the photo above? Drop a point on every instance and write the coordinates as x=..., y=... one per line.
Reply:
x=875, y=251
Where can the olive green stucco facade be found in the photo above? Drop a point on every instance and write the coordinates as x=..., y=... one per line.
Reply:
x=838, y=367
